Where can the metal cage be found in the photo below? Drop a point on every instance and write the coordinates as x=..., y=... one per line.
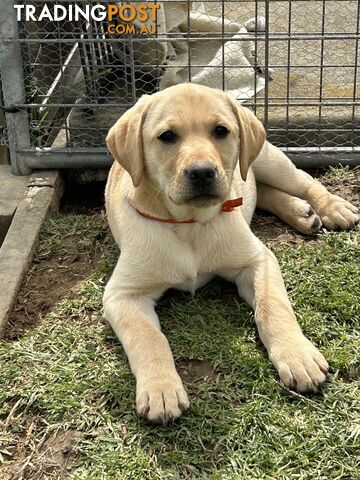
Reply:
x=66, y=81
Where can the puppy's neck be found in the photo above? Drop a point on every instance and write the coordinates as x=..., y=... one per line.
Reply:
x=187, y=212
x=150, y=201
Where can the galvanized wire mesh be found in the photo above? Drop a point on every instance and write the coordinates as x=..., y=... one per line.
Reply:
x=302, y=73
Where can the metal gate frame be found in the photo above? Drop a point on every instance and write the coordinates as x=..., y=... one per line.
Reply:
x=25, y=158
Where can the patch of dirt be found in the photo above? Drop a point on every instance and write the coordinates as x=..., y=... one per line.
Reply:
x=269, y=227
x=36, y=460
x=55, y=275
x=58, y=449
x=274, y=232
x=192, y=371
x=352, y=373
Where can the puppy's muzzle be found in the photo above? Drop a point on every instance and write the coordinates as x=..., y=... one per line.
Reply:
x=202, y=178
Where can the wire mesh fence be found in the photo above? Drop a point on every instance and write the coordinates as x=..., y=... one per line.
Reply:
x=69, y=71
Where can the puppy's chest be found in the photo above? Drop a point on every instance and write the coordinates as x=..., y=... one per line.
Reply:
x=186, y=264
x=206, y=250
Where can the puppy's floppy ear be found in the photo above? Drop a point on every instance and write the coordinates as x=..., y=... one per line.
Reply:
x=252, y=136
x=124, y=139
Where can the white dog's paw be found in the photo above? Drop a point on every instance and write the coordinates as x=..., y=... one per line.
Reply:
x=303, y=217
x=161, y=399
x=337, y=213
x=300, y=365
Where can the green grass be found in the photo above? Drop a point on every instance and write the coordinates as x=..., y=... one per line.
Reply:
x=69, y=373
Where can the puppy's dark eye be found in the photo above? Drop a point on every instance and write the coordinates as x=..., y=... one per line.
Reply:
x=168, y=136
x=220, y=131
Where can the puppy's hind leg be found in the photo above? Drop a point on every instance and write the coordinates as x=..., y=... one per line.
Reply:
x=292, y=210
x=272, y=167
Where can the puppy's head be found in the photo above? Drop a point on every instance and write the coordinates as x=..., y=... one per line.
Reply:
x=187, y=140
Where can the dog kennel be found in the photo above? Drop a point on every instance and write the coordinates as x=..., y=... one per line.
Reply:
x=69, y=69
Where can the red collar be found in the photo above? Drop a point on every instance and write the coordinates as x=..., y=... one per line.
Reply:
x=227, y=206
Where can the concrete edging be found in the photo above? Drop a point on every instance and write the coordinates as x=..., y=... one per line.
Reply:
x=17, y=251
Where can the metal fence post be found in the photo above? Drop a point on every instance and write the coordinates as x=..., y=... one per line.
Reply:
x=11, y=68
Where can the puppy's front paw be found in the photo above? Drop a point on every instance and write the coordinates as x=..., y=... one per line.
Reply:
x=161, y=399
x=300, y=365
x=337, y=213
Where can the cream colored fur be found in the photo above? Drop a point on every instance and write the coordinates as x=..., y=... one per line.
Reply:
x=156, y=256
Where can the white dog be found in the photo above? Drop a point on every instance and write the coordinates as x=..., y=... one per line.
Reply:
x=180, y=208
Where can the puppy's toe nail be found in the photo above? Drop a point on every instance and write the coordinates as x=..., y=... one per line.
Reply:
x=324, y=368
x=183, y=401
x=315, y=225
x=143, y=411
x=142, y=404
x=310, y=212
x=293, y=385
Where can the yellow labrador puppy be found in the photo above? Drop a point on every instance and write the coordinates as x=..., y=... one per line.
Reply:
x=179, y=200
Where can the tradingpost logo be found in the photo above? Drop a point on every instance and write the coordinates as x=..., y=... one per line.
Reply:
x=120, y=19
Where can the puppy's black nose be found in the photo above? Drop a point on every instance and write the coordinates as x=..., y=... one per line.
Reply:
x=201, y=174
